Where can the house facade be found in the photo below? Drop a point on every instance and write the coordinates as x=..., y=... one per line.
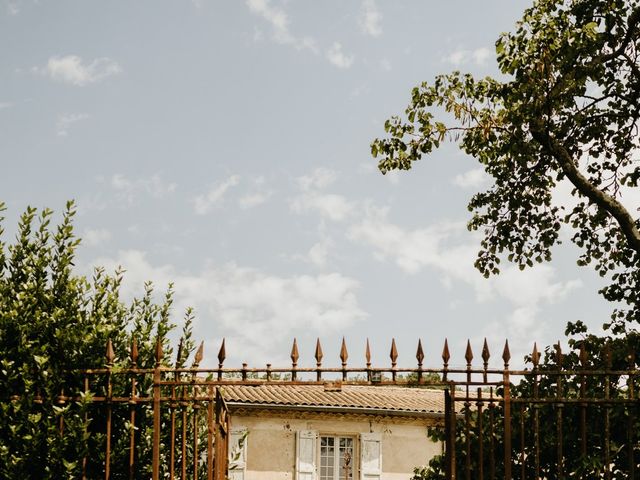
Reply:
x=331, y=431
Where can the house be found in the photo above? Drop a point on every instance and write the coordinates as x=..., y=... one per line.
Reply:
x=331, y=431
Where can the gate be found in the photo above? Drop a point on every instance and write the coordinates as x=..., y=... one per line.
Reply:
x=572, y=415
x=552, y=421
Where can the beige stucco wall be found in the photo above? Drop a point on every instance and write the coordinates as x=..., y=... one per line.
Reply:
x=271, y=443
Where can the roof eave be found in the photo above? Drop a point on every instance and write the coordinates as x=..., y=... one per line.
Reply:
x=336, y=409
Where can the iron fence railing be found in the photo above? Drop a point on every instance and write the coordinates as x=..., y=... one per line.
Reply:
x=551, y=420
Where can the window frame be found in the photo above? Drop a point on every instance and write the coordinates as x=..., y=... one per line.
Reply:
x=354, y=437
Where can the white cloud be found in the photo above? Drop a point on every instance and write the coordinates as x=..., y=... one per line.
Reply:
x=443, y=248
x=318, y=179
x=13, y=7
x=337, y=57
x=261, y=311
x=319, y=253
x=370, y=18
x=127, y=189
x=94, y=237
x=459, y=57
x=253, y=199
x=204, y=203
x=64, y=122
x=70, y=69
x=258, y=196
x=4, y=105
x=385, y=64
x=279, y=21
x=332, y=206
x=328, y=205
x=471, y=179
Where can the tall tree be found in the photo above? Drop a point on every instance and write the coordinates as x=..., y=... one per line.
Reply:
x=566, y=108
x=52, y=323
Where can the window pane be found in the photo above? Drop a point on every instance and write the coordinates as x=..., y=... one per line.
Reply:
x=346, y=458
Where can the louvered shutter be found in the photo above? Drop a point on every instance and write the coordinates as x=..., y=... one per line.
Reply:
x=370, y=456
x=238, y=453
x=306, y=445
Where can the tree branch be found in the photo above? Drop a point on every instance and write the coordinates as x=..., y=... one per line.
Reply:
x=606, y=202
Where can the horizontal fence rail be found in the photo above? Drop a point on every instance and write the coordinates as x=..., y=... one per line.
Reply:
x=556, y=419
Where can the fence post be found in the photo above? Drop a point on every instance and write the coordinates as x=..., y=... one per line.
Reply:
x=450, y=432
x=506, y=356
x=155, y=475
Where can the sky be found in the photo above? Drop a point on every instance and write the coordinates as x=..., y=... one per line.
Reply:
x=224, y=146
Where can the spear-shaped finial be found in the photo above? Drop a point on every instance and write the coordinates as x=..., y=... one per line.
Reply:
x=535, y=355
x=111, y=356
x=134, y=352
x=558, y=354
x=583, y=354
x=179, y=354
x=420, y=353
x=344, y=355
x=159, y=351
x=367, y=354
x=199, y=354
x=445, y=353
x=222, y=354
x=393, y=354
x=485, y=354
x=506, y=354
x=319, y=353
x=468, y=354
x=294, y=353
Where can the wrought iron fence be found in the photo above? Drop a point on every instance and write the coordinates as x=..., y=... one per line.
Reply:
x=548, y=421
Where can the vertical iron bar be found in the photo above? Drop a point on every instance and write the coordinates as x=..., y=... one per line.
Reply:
x=492, y=437
x=132, y=410
x=183, y=461
x=522, y=456
x=132, y=426
x=559, y=409
x=450, y=431
x=506, y=356
x=467, y=431
x=631, y=411
x=607, y=425
x=61, y=402
x=536, y=430
x=196, y=409
x=480, y=437
x=583, y=406
x=467, y=413
x=172, y=442
x=210, y=430
x=157, y=377
x=107, y=460
x=85, y=428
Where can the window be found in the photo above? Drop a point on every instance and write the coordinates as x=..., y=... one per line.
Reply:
x=323, y=457
x=336, y=458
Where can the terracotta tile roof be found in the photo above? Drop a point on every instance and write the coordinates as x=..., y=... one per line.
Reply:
x=385, y=399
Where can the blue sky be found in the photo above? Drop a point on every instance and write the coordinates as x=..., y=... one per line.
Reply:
x=224, y=146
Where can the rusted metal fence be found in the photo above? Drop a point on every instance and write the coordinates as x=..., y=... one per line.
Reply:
x=546, y=421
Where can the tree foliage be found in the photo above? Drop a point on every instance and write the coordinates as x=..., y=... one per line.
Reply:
x=565, y=108
x=53, y=322
x=621, y=433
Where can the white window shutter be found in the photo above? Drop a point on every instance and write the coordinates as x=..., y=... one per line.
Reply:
x=238, y=453
x=306, y=452
x=370, y=456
